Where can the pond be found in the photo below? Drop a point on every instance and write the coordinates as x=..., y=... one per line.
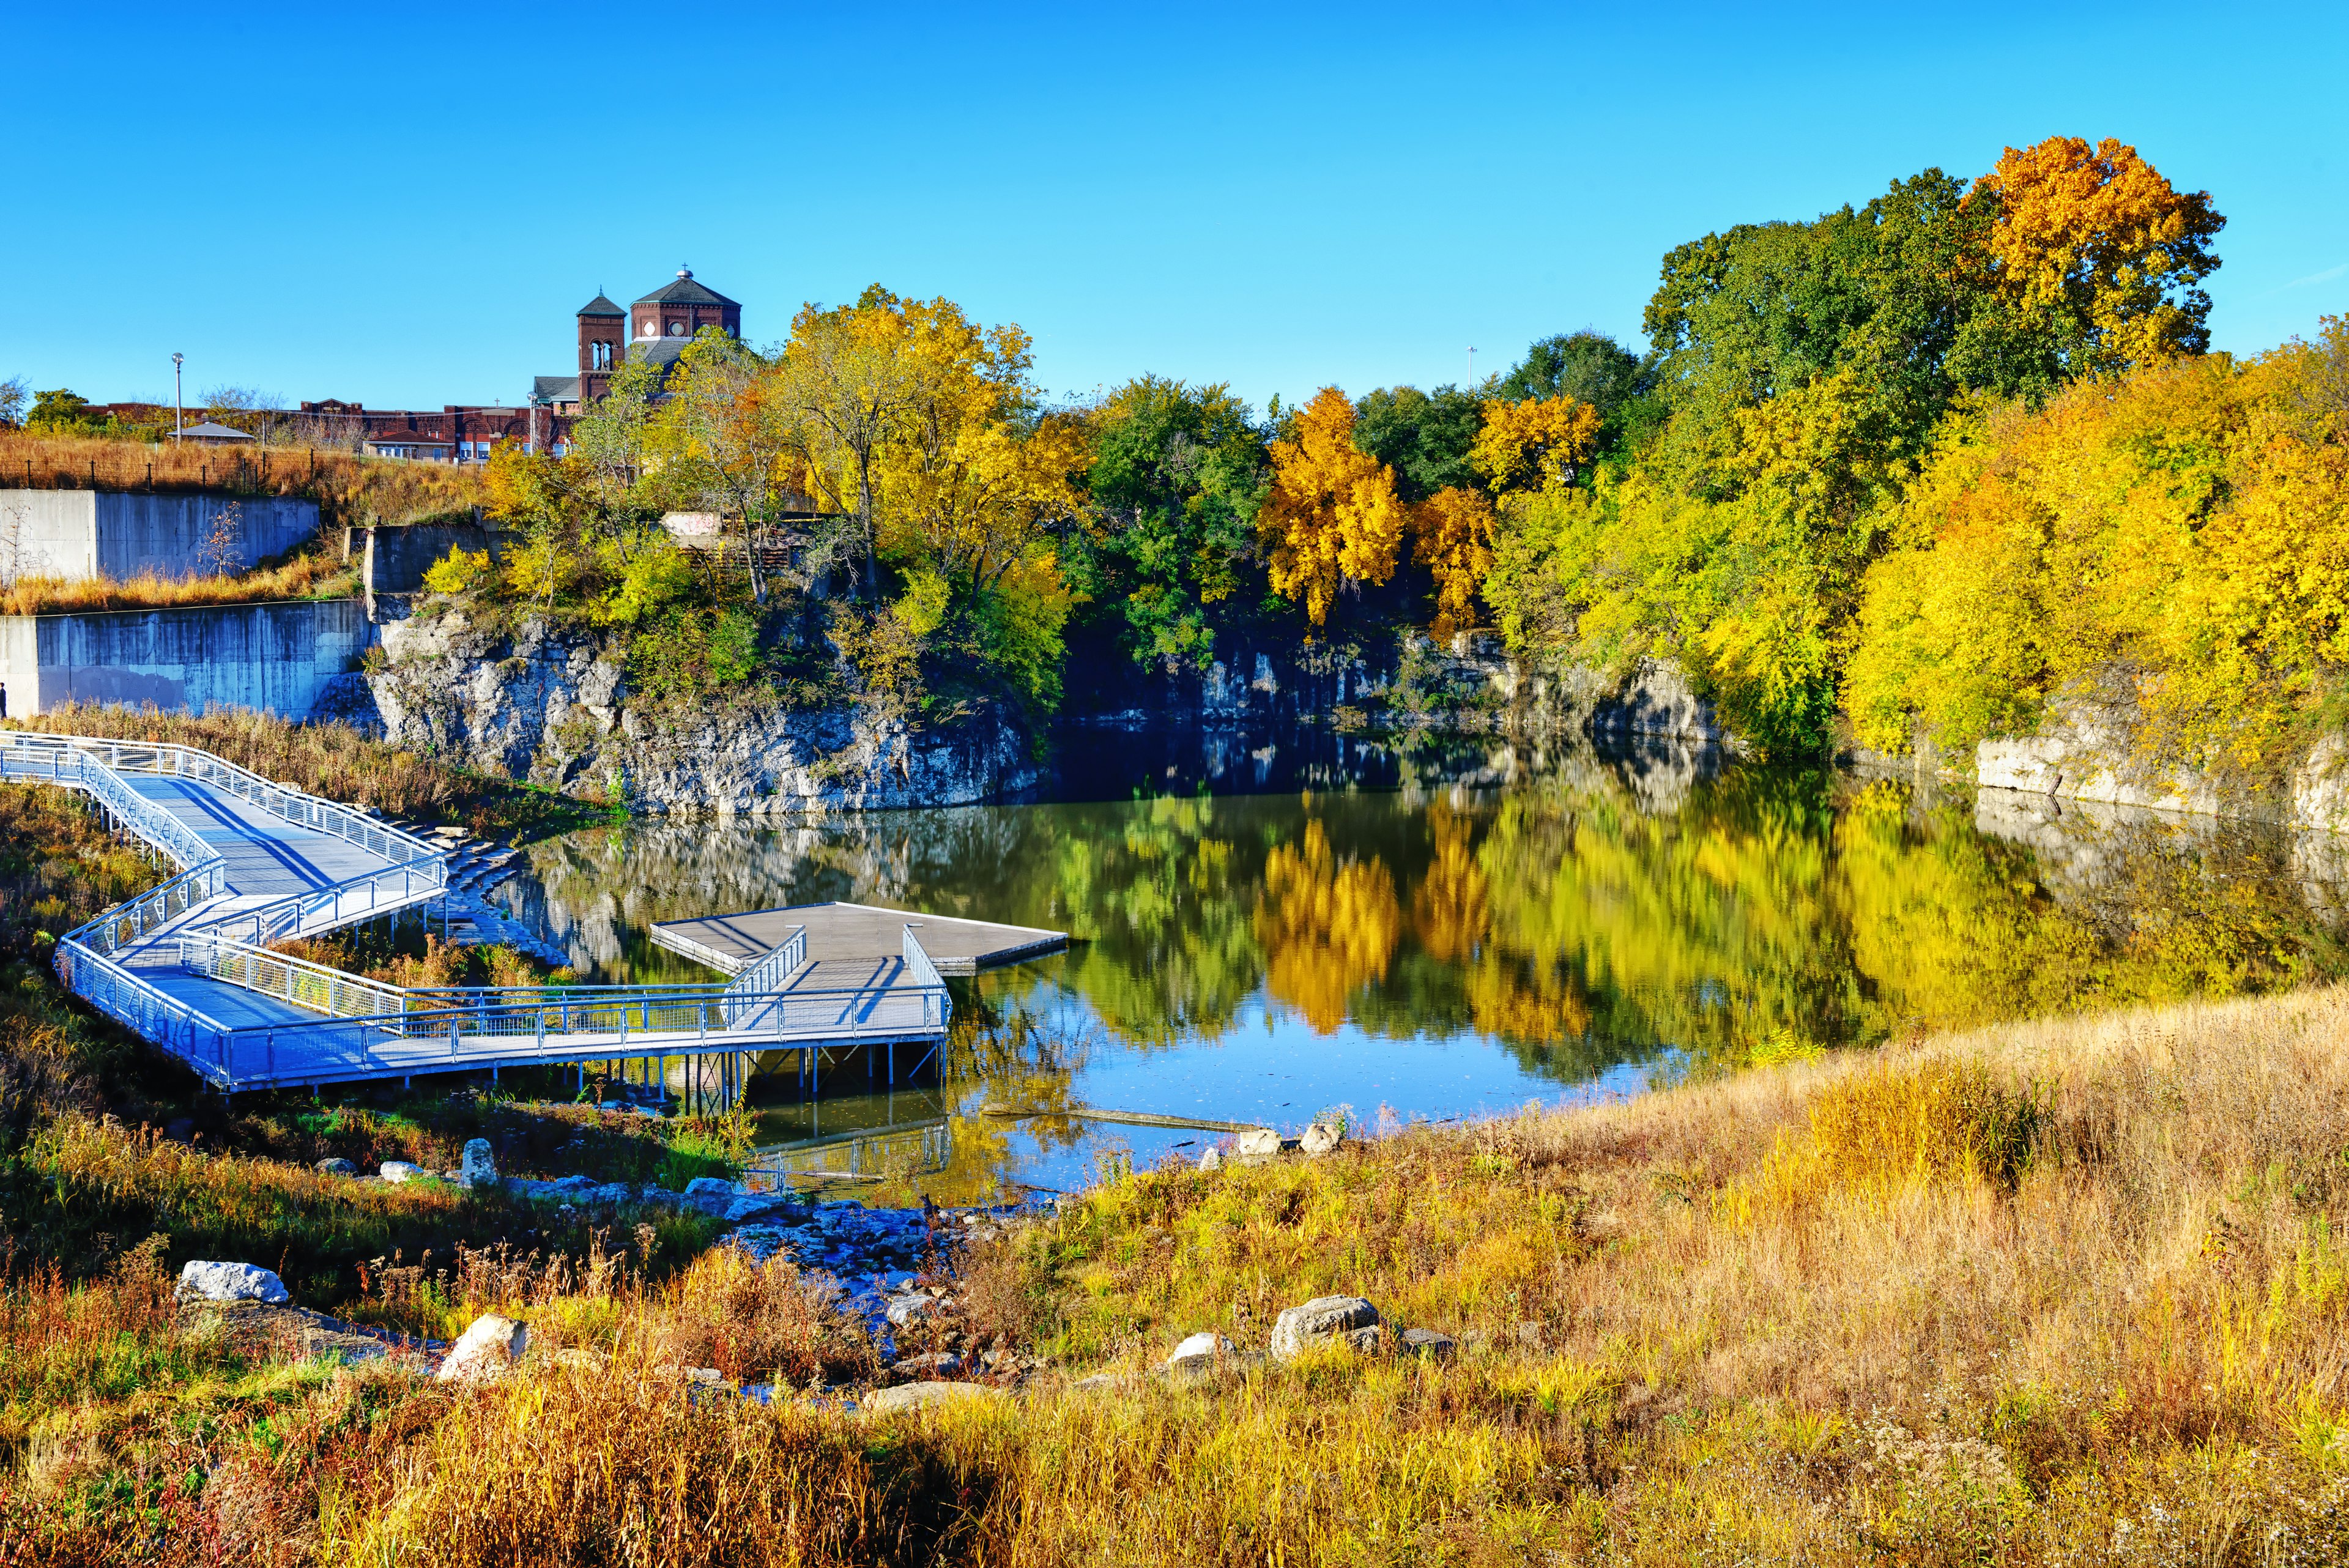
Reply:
x=1265, y=930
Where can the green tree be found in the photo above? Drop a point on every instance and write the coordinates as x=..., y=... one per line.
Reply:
x=1424, y=436
x=1591, y=368
x=1178, y=474
x=60, y=412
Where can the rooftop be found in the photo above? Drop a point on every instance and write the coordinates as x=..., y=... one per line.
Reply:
x=685, y=291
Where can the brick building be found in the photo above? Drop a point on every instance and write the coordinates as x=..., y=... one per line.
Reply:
x=656, y=328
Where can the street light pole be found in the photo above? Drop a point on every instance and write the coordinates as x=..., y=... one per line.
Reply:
x=179, y=417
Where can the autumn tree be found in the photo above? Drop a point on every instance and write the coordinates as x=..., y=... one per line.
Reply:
x=722, y=443
x=1333, y=518
x=1455, y=530
x=1526, y=445
x=845, y=384
x=2096, y=255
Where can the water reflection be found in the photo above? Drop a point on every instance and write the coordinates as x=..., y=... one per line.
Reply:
x=1500, y=924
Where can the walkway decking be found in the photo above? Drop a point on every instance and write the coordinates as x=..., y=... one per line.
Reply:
x=728, y=943
x=189, y=967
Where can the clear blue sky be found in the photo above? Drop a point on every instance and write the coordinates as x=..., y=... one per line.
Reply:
x=405, y=207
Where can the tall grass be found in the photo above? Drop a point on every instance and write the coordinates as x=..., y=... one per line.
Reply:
x=2064, y=1291
x=348, y=489
x=307, y=576
x=333, y=760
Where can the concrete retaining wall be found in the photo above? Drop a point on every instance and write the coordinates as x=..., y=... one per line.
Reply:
x=122, y=534
x=277, y=658
x=394, y=559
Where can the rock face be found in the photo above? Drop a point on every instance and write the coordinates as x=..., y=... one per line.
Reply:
x=480, y=1168
x=208, y=1281
x=2089, y=748
x=490, y=1347
x=554, y=708
x=1471, y=683
x=1322, y=1321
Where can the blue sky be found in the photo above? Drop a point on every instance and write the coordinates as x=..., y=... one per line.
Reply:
x=405, y=208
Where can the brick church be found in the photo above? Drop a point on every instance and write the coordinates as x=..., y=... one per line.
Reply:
x=656, y=328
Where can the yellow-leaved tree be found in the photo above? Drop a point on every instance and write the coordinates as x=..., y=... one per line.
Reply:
x=1334, y=518
x=1524, y=446
x=1520, y=448
x=1455, y=544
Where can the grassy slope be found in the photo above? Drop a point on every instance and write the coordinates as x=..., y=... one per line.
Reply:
x=2053, y=1292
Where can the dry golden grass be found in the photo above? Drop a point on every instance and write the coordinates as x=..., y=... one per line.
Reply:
x=2063, y=1291
x=311, y=577
x=332, y=760
x=348, y=489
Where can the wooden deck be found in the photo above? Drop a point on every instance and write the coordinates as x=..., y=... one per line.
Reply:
x=859, y=934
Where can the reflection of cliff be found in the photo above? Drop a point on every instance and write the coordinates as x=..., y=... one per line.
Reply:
x=1584, y=908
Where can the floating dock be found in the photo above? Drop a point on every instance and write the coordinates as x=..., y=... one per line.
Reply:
x=861, y=935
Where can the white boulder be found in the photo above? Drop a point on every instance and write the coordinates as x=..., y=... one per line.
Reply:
x=490, y=1347
x=399, y=1170
x=208, y=1282
x=1323, y=1137
x=1213, y=1160
x=1325, y=1320
x=1258, y=1143
x=1207, y=1344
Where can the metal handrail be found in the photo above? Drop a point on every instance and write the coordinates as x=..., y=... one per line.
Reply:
x=143, y=817
x=185, y=1031
x=298, y=806
x=927, y=976
x=777, y=964
x=297, y=914
x=370, y=1027
x=506, y=1010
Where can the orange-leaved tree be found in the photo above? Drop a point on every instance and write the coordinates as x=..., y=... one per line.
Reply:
x=1333, y=517
x=1455, y=544
x=2094, y=244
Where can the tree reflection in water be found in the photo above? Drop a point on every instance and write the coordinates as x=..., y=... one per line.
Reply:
x=1572, y=910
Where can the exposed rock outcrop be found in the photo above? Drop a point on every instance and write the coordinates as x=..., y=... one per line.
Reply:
x=552, y=707
x=2091, y=747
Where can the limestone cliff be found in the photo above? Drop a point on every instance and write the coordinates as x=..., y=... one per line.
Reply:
x=1470, y=684
x=553, y=707
x=2092, y=747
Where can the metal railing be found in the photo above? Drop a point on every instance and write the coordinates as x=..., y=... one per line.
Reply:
x=78, y=769
x=368, y=1028
x=297, y=806
x=185, y=1031
x=341, y=904
x=776, y=965
x=927, y=976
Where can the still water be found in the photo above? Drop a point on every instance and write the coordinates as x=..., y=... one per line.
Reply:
x=1264, y=930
